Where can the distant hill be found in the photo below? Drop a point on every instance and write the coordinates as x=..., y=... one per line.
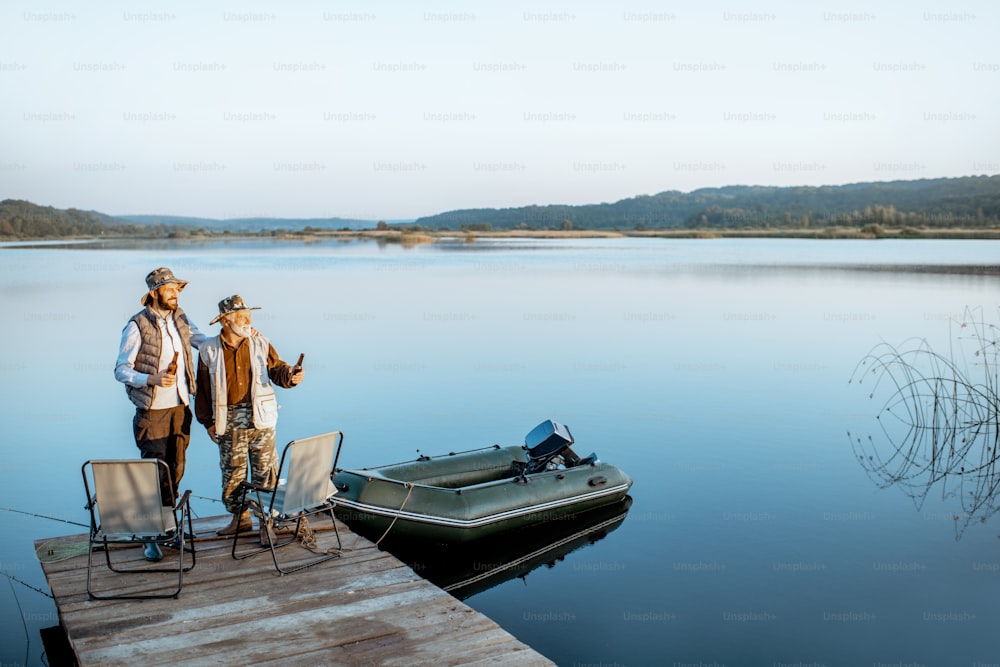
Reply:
x=969, y=202
x=23, y=220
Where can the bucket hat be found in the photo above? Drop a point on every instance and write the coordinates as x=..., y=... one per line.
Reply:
x=157, y=278
x=232, y=304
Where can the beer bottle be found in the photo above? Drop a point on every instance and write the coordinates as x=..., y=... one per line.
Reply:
x=172, y=366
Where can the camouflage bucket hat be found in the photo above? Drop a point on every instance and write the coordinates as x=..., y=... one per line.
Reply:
x=156, y=279
x=232, y=304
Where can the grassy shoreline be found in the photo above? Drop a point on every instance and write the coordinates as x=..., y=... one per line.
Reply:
x=412, y=238
x=430, y=236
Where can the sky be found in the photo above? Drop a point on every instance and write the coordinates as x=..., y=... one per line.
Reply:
x=397, y=110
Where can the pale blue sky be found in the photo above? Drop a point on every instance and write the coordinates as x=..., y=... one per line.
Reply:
x=390, y=110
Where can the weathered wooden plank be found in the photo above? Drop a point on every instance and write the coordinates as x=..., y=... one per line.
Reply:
x=243, y=579
x=213, y=575
x=363, y=608
x=239, y=601
x=168, y=630
x=261, y=631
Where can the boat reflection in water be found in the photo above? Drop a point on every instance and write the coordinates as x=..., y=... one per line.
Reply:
x=940, y=422
x=465, y=569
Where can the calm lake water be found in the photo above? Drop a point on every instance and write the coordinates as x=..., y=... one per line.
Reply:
x=715, y=372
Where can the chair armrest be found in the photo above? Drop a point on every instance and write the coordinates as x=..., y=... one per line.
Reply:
x=185, y=499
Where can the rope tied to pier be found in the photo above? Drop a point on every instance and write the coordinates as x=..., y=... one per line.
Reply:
x=409, y=486
x=308, y=538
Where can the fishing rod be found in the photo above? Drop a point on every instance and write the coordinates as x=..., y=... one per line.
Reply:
x=214, y=500
x=27, y=637
x=77, y=523
x=42, y=516
x=11, y=577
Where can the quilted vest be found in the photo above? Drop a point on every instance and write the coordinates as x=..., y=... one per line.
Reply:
x=148, y=358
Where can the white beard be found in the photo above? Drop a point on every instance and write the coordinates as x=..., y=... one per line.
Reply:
x=241, y=331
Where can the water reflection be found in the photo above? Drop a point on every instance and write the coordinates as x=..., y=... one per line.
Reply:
x=467, y=569
x=721, y=390
x=940, y=421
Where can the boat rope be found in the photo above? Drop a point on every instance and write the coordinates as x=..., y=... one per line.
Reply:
x=308, y=538
x=409, y=486
x=306, y=535
x=42, y=516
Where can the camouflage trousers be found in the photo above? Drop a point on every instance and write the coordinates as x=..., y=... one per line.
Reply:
x=241, y=446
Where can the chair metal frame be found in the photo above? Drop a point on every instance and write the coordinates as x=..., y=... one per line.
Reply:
x=263, y=500
x=175, y=536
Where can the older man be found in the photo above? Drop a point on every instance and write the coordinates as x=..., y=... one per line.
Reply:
x=236, y=404
x=156, y=366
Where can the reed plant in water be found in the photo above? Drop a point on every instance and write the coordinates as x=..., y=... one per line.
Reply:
x=939, y=419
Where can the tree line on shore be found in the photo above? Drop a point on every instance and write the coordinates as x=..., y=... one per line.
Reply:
x=970, y=203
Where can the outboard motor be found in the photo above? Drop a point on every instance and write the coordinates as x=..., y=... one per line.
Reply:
x=547, y=441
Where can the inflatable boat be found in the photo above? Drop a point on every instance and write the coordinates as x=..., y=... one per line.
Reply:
x=460, y=497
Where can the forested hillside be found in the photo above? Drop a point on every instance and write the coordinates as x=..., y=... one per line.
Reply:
x=24, y=220
x=969, y=202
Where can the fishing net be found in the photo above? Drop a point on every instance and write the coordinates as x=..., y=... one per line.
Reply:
x=53, y=551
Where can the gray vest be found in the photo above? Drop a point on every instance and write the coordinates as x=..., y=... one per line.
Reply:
x=148, y=358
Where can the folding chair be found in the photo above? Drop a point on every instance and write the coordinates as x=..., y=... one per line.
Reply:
x=126, y=508
x=307, y=489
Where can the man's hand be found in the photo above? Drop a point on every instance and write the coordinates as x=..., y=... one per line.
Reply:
x=162, y=379
x=298, y=373
x=211, y=434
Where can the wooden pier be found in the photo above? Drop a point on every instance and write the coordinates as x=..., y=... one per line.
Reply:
x=365, y=608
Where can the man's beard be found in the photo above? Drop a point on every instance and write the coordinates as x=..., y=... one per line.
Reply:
x=164, y=305
x=240, y=330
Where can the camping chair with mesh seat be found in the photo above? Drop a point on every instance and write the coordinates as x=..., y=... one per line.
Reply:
x=307, y=489
x=126, y=508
